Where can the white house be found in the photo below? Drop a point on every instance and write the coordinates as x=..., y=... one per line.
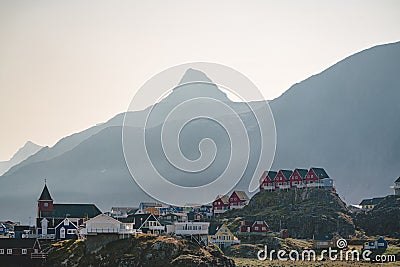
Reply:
x=194, y=230
x=396, y=187
x=103, y=224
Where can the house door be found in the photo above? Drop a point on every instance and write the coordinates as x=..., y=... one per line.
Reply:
x=62, y=233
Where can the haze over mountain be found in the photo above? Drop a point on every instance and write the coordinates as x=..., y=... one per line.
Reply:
x=22, y=154
x=345, y=119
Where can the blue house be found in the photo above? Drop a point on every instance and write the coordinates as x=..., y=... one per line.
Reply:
x=66, y=230
x=21, y=231
x=380, y=243
x=3, y=229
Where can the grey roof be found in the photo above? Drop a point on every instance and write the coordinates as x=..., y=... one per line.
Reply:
x=17, y=243
x=224, y=199
x=286, y=173
x=45, y=194
x=320, y=172
x=302, y=172
x=371, y=201
x=241, y=195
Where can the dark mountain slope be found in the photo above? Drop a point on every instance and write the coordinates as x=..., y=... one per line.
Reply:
x=346, y=119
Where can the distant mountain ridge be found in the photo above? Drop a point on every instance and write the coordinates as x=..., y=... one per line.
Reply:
x=344, y=119
x=21, y=155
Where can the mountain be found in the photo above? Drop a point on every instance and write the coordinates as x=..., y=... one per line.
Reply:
x=65, y=144
x=344, y=119
x=22, y=154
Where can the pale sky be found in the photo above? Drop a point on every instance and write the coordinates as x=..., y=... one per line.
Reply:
x=67, y=65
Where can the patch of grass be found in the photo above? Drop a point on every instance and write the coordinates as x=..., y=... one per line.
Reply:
x=242, y=262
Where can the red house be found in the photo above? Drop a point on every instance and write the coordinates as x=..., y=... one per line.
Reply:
x=267, y=180
x=297, y=179
x=282, y=179
x=315, y=177
x=254, y=227
x=238, y=200
x=19, y=247
x=220, y=204
x=245, y=226
x=260, y=227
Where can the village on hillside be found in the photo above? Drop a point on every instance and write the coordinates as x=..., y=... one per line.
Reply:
x=197, y=223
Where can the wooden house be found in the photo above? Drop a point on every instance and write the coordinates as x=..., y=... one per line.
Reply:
x=267, y=181
x=325, y=241
x=369, y=204
x=19, y=247
x=220, y=204
x=103, y=224
x=298, y=178
x=238, y=200
x=282, y=179
x=396, y=187
x=220, y=235
x=253, y=226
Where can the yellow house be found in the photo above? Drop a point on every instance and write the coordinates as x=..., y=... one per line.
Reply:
x=220, y=235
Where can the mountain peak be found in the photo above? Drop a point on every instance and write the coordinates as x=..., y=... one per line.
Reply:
x=195, y=83
x=23, y=153
x=193, y=75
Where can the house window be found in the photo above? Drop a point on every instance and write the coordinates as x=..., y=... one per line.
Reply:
x=264, y=229
x=46, y=204
x=9, y=251
x=1, y=251
x=71, y=231
x=256, y=228
x=24, y=251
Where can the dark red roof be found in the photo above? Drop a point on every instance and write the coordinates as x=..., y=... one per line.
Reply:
x=17, y=243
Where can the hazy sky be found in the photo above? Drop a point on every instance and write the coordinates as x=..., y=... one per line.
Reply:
x=67, y=65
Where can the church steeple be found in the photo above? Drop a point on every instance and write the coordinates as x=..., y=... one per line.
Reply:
x=45, y=193
x=45, y=202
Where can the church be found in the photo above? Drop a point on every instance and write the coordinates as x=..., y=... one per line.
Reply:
x=61, y=221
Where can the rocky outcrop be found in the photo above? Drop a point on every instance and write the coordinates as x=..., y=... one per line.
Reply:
x=304, y=212
x=383, y=219
x=143, y=250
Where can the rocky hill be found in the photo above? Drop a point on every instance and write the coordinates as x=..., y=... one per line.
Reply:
x=144, y=250
x=383, y=219
x=304, y=213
